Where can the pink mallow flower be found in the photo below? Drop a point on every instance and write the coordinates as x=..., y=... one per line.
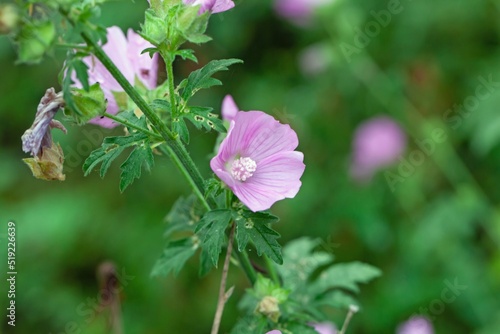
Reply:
x=257, y=160
x=298, y=11
x=416, y=325
x=377, y=143
x=229, y=108
x=125, y=52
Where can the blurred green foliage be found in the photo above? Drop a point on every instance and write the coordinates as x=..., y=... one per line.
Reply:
x=440, y=226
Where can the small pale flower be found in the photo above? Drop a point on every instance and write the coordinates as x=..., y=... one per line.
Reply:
x=377, y=143
x=215, y=6
x=274, y=332
x=416, y=325
x=229, y=108
x=125, y=52
x=257, y=160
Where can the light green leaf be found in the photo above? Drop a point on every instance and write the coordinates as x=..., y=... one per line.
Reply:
x=300, y=261
x=345, y=276
x=174, y=257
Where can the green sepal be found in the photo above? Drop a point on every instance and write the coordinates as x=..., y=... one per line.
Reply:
x=88, y=104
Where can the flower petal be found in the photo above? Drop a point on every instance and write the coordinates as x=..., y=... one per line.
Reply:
x=229, y=108
x=144, y=67
x=222, y=6
x=258, y=135
x=277, y=177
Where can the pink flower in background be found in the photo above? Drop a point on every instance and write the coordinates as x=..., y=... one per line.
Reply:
x=416, y=325
x=314, y=60
x=126, y=54
x=299, y=11
x=215, y=6
x=257, y=160
x=325, y=328
x=229, y=108
x=274, y=332
x=377, y=143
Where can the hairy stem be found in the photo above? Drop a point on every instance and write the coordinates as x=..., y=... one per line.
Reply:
x=169, y=64
x=223, y=296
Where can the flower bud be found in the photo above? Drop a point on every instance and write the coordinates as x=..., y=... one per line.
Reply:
x=9, y=18
x=269, y=306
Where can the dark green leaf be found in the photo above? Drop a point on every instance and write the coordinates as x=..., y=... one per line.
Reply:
x=202, y=78
x=180, y=127
x=131, y=117
x=205, y=263
x=174, y=257
x=132, y=167
x=213, y=188
x=255, y=228
x=184, y=215
x=211, y=229
x=345, y=276
x=111, y=148
x=202, y=118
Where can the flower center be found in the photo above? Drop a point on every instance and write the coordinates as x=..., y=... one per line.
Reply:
x=243, y=168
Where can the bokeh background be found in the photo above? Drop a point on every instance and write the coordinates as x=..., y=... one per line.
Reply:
x=437, y=226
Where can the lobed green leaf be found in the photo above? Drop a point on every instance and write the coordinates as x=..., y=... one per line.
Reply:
x=202, y=78
x=174, y=257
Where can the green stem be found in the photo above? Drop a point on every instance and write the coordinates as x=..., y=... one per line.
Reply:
x=272, y=270
x=133, y=126
x=246, y=265
x=169, y=64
